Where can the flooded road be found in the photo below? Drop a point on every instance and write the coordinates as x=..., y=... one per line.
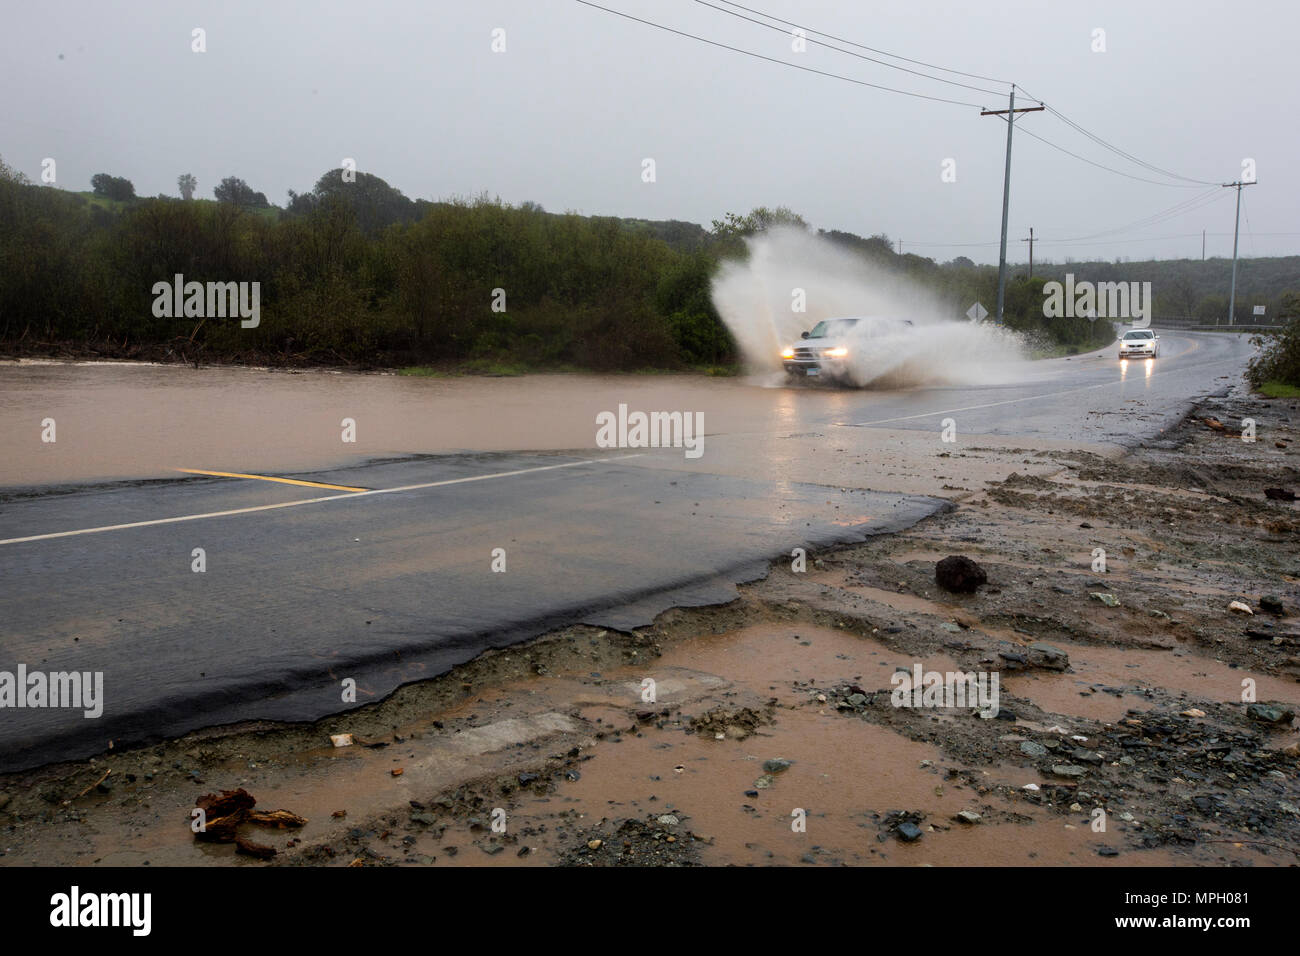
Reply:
x=468, y=513
x=132, y=420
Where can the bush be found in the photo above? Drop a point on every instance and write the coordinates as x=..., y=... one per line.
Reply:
x=1279, y=361
x=1279, y=358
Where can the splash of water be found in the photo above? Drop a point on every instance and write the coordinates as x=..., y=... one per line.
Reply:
x=755, y=299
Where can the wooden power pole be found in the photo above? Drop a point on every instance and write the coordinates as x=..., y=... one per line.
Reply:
x=1030, y=240
x=1010, y=113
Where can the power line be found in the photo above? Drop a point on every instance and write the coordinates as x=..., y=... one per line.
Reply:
x=769, y=59
x=1188, y=184
x=860, y=46
x=1107, y=242
x=1057, y=113
x=1199, y=201
x=892, y=66
x=1102, y=242
x=1119, y=152
x=1153, y=182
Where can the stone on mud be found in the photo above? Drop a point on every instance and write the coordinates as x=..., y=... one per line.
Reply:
x=959, y=574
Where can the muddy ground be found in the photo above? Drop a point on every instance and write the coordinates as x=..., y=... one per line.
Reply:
x=1140, y=722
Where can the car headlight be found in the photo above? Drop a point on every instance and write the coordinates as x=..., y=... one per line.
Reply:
x=839, y=352
x=787, y=353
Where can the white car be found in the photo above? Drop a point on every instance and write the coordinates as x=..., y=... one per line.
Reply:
x=829, y=347
x=1139, y=343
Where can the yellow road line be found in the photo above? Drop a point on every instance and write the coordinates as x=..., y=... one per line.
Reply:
x=312, y=501
x=283, y=481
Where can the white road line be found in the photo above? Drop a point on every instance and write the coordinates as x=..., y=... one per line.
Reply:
x=1027, y=398
x=313, y=501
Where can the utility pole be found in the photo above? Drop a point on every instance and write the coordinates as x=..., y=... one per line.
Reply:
x=1010, y=113
x=1232, y=296
x=1030, y=240
x=1202, y=245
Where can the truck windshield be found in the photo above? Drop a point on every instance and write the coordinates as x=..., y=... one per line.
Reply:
x=830, y=328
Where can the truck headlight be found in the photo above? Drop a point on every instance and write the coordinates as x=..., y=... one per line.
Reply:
x=787, y=353
x=839, y=352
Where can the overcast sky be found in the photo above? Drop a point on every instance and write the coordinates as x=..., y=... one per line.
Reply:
x=565, y=116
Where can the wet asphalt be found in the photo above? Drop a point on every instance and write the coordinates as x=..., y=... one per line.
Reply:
x=305, y=587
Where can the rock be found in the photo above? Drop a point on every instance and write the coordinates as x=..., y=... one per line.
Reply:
x=857, y=700
x=1107, y=851
x=595, y=844
x=909, y=832
x=1271, y=604
x=428, y=819
x=669, y=820
x=341, y=740
x=967, y=816
x=776, y=765
x=1031, y=748
x=959, y=574
x=1279, y=494
x=1107, y=599
x=1192, y=712
x=763, y=782
x=1045, y=655
x=1068, y=770
x=4, y=800
x=1013, y=661
x=1270, y=713
x=526, y=778
x=1240, y=607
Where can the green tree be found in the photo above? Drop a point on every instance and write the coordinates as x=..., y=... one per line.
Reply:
x=112, y=187
x=235, y=191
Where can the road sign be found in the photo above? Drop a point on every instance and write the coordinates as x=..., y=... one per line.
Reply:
x=977, y=312
x=1259, y=310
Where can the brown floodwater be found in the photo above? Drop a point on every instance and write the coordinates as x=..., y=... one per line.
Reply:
x=119, y=420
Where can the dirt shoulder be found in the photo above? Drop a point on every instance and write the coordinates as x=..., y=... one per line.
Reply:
x=1122, y=736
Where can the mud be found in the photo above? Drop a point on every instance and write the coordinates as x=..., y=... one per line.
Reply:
x=772, y=738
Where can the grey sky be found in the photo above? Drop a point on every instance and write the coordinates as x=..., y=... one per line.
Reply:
x=564, y=117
